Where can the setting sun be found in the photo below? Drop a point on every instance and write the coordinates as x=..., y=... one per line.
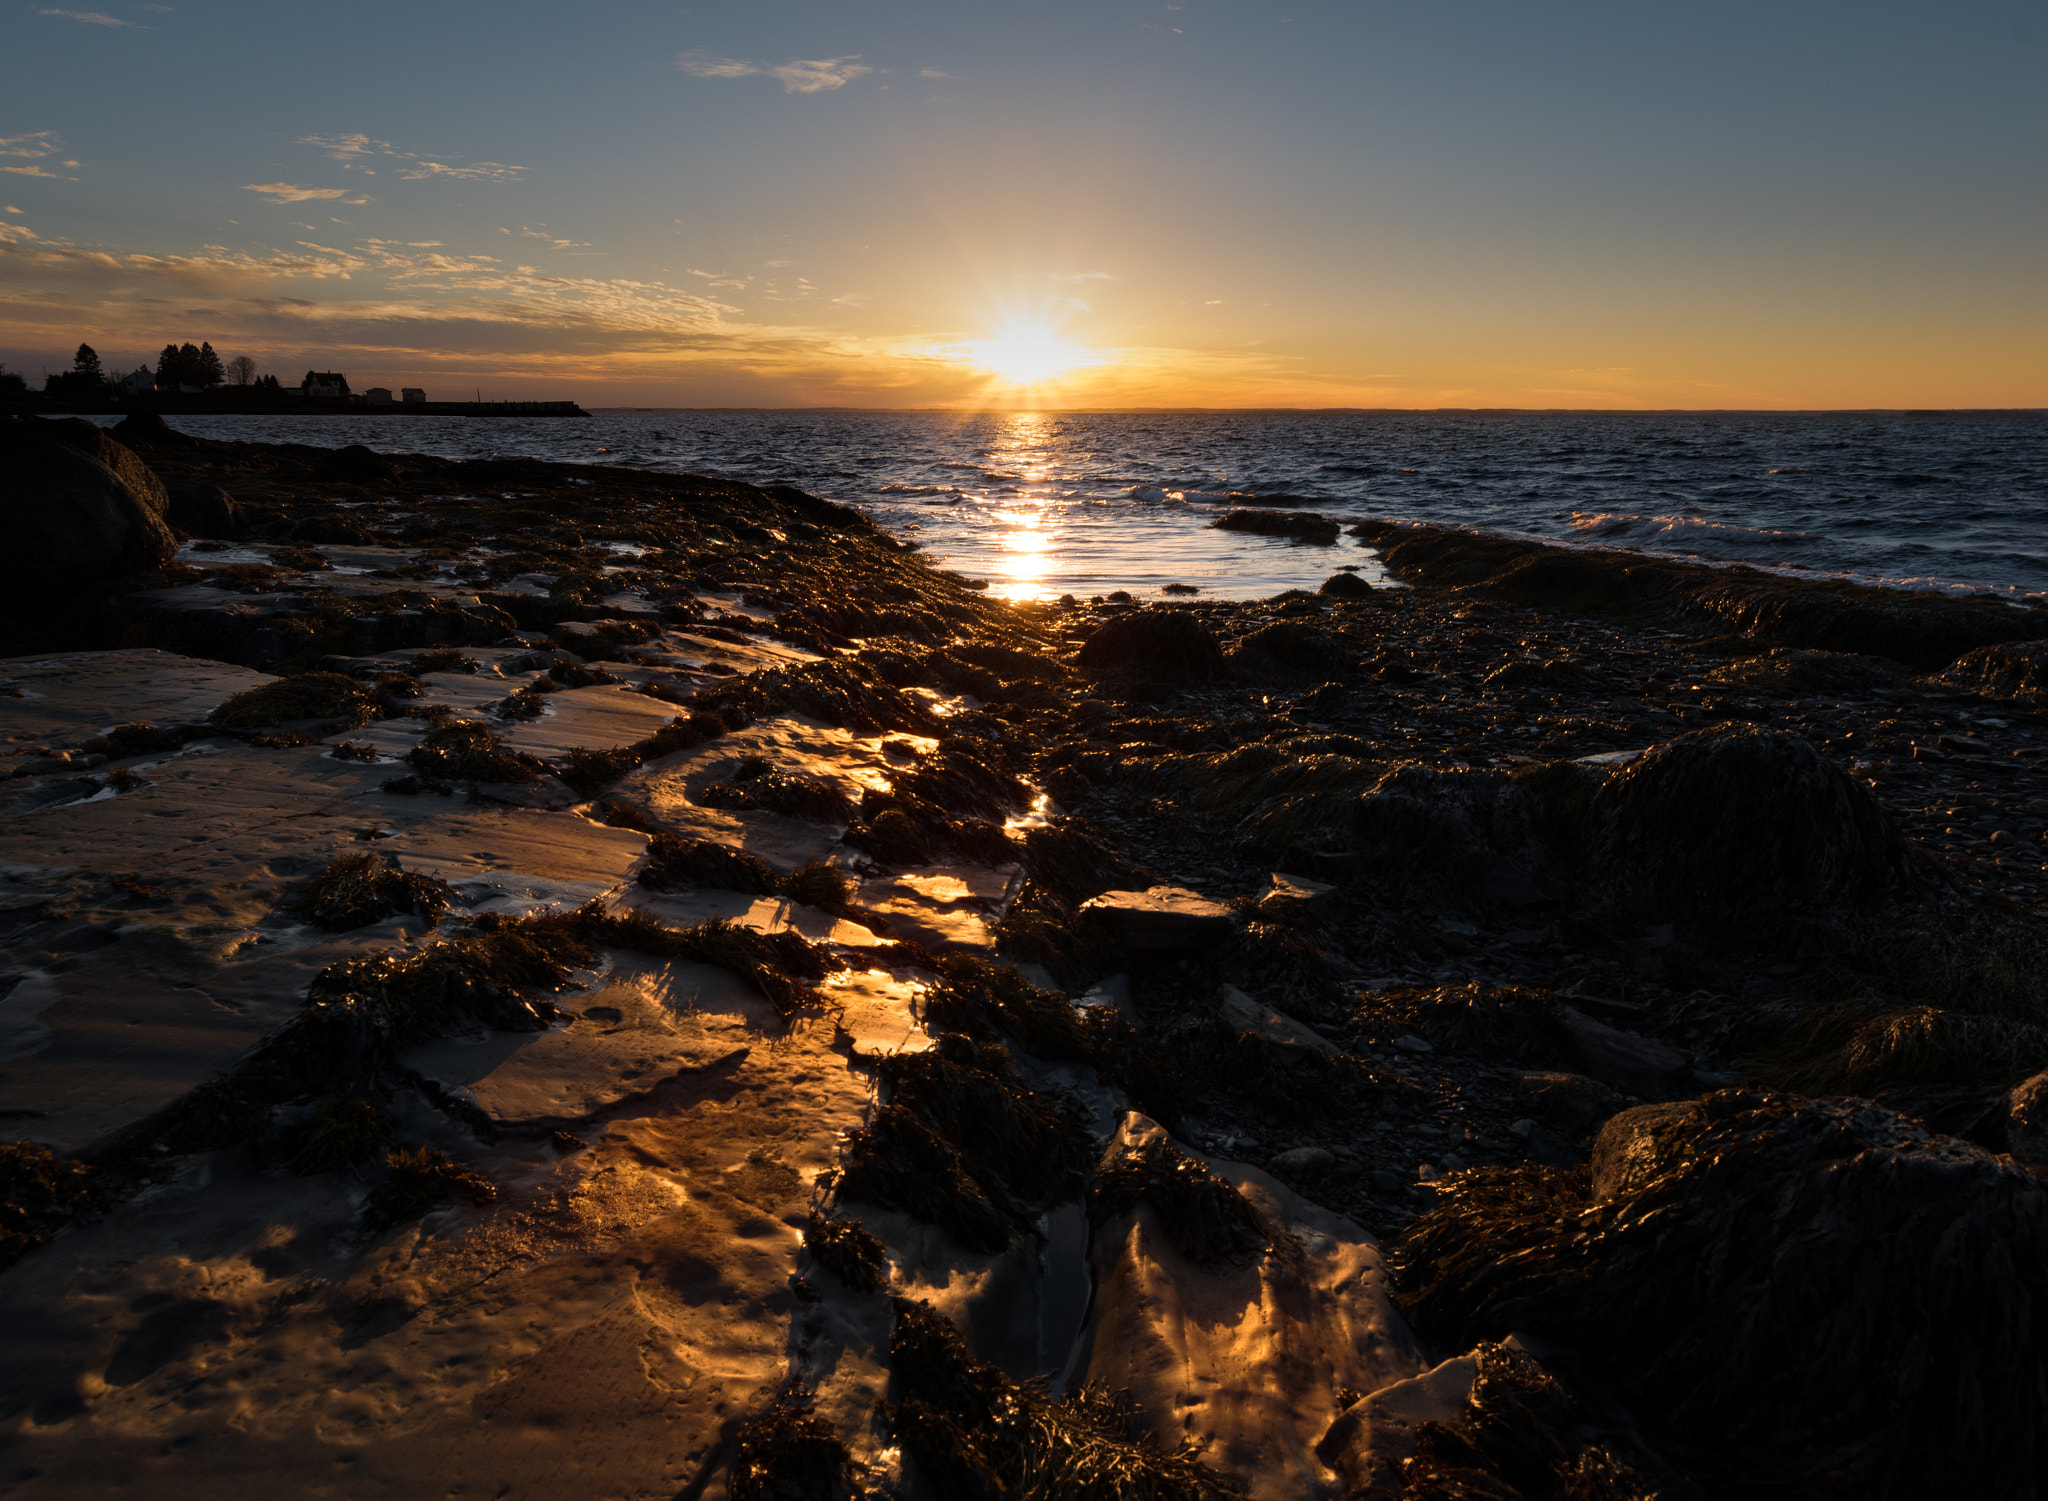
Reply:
x=1027, y=353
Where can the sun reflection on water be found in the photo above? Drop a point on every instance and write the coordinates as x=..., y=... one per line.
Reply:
x=1027, y=526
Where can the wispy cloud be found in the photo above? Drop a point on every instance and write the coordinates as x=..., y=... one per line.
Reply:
x=90, y=17
x=1081, y=276
x=36, y=144
x=353, y=150
x=812, y=76
x=284, y=192
x=527, y=233
x=932, y=73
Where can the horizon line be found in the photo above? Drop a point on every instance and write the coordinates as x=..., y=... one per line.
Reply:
x=1387, y=411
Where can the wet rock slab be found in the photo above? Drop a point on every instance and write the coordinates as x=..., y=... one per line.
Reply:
x=625, y=1041
x=1160, y=919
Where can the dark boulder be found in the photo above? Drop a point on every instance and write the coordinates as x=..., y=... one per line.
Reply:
x=71, y=521
x=2012, y=669
x=94, y=443
x=1346, y=586
x=1299, y=646
x=1724, y=826
x=1169, y=645
x=1303, y=525
x=2026, y=1123
x=149, y=430
x=1801, y=1297
x=202, y=510
x=354, y=465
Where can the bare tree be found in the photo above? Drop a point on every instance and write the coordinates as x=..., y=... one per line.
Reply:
x=241, y=370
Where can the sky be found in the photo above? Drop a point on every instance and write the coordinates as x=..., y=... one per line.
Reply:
x=1043, y=203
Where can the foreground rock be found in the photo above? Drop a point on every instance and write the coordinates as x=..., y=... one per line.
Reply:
x=1740, y=1265
x=73, y=522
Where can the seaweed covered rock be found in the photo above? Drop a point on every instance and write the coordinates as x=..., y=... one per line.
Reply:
x=1346, y=586
x=354, y=464
x=1165, y=645
x=2011, y=669
x=149, y=430
x=2026, y=1124
x=1300, y=647
x=1743, y=1264
x=39, y=1192
x=1727, y=825
x=1493, y=1424
x=307, y=695
x=359, y=888
x=977, y=1435
x=962, y=1144
x=72, y=521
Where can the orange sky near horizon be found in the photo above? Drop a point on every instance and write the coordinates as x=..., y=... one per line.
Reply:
x=1154, y=204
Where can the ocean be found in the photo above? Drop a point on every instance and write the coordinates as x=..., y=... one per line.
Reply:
x=1045, y=504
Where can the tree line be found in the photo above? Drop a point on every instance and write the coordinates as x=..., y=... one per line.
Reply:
x=179, y=365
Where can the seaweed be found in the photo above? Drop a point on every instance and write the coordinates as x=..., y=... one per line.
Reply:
x=345, y=1130
x=781, y=965
x=964, y=1145
x=441, y=659
x=590, y=772
x=1523, y=1434
x=987, y=1000
x=978, y=1435
x=357, y=889
x=39, y=1194
x=309, y=695
x=419, y=1180
x=1289, y=971
x=966, y=775
x=468, y=750
x=1068, y=859
x=794, y=794
x=675, y=863
x=1201, y=1216
x=821, y=884
x=845, y=1249
x=786, y=1452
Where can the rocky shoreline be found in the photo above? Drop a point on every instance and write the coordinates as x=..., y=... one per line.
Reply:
x=567, y=980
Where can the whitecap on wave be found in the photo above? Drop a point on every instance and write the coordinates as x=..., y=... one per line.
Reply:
x=1620, y=526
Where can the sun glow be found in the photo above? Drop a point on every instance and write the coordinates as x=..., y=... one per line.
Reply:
x=1027, y=354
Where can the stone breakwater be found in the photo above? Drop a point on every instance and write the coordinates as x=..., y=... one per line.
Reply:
x=574, y=981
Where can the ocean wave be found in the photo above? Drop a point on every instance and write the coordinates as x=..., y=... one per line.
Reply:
x=1622, y=527
x=918, y=490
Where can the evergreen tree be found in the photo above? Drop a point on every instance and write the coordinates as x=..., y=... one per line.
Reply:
x=85, y=366
x=167, y=368
x=209, y=368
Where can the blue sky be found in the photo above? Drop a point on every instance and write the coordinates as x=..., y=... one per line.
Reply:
x=1202, y=203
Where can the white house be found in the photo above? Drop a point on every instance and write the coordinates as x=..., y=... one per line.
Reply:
x=378, y=396
x=140, y=383
x=413, y=393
